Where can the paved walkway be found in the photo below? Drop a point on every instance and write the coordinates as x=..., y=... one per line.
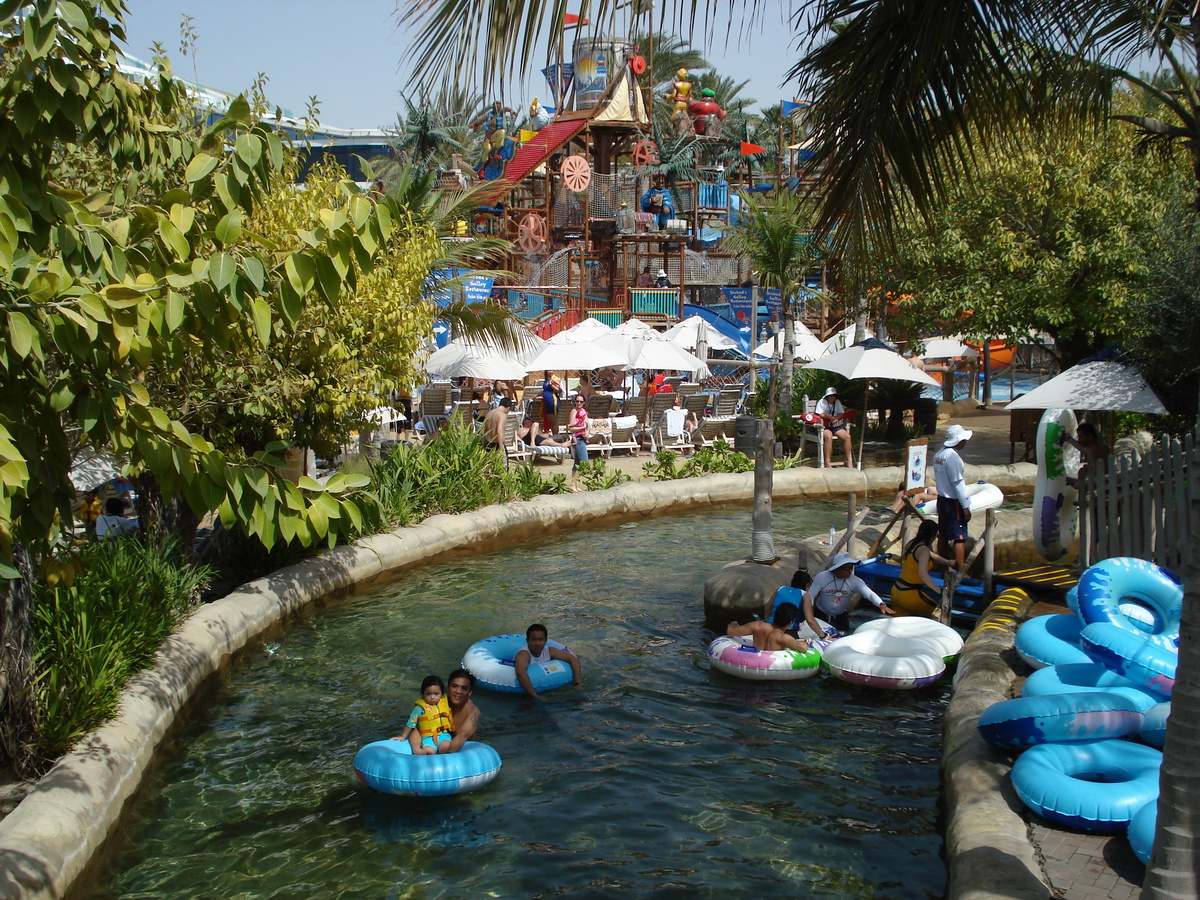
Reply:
x=1082, y=866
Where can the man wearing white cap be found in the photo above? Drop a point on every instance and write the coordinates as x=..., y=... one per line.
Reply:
x=833, y=415
x=953, y=504
x=829, y=595
x=661, y=280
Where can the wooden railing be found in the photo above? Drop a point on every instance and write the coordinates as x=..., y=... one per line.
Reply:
x=1140, y=507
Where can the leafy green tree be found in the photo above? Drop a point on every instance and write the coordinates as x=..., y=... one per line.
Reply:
x=104, y=295
x=1052, y=238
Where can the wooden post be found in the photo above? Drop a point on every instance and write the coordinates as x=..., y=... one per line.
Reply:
x=989, y=555
x=851, y=504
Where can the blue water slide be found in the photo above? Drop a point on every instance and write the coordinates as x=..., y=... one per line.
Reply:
x=722, y=324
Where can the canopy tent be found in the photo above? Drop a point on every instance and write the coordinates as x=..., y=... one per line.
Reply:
x=869, y=363
x=1099, y=385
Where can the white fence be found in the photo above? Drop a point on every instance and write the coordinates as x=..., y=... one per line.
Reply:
x=1140, y=507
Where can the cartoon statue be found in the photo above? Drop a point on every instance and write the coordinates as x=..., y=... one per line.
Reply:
x=706, y=115
x=658, y=200
x=539, y=116
x=495, y=131
x=680, y=94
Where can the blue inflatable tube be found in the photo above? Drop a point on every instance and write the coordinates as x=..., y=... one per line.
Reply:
x=1106, y=585
x=1059, y=718
x=1147, y=665
x=1084, y=678
x=391, y=768
x=1141, y=831
x=1154, y=727
x=491, y=662
x=1096, y=787
x=1050, y=641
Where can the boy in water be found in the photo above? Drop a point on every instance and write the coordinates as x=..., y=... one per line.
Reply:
x=430, y=722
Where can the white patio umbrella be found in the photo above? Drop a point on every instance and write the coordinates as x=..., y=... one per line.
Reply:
x=807, y=345
x=870, y=363
x=652, y=350
x=694, y=329
x=582, y=332
x=839, y=341
x=633, y=327
x=948, y=348
x=1094, y=386
x=465, y=359
x=574, y=357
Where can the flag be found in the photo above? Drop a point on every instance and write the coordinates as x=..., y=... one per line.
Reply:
x=749, y=149
x=571, y=21
x=791, y=107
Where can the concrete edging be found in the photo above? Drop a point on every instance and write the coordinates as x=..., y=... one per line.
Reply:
x=49, y=840
x=988, y=851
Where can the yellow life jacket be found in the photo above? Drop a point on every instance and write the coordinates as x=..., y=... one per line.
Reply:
x=436, y=719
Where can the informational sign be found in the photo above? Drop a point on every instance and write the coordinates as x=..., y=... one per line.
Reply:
x=477, y=288
x=740, y=300
x=774, y=302
x=914, y=473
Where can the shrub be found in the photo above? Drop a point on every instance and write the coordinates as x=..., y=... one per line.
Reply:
x=596, y=477
x=90, y=637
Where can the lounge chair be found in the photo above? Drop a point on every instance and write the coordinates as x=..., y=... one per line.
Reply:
x=669, y=432
x=435, y=400
x=712, y=430
x=636, y=407
x=622, y=437
x=599, y=406
x=696, y=404
x=726, y=404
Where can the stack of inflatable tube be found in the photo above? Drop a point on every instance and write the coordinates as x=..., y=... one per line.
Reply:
x=1055, y=499
x=739, y=657
x=1072, y=715
x=392, y=768
x=491, y=662
x=877, y=659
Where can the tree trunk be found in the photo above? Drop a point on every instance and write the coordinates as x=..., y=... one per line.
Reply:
x=160, y=519
x=787, y=367
x=1173, y=873
x=762, y=537
x=16, y=665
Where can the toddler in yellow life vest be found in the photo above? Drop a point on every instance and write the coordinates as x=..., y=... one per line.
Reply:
x=431, y=721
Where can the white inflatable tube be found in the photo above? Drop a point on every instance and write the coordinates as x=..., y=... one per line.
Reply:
x=1055, y=510
x=982, y=494
x=945, y=640
x=876, y=659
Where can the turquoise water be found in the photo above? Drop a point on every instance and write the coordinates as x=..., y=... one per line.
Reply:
x=658, y=777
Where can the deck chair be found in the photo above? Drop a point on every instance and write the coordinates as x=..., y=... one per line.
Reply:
x=514, y=449
x=435, y=400
x=622, y=438
x=659, y=403
x=636, y=406
x=814, y=433
x=599, y=406
x=687, y=389
x=697, y=404
x=712, y=430
x=726, y=404
x=534, y=407
x=669, y=432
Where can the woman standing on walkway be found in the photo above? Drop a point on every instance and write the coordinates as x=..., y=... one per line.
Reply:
x=915, y=593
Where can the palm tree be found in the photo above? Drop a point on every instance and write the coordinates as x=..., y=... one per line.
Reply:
x=773, y=235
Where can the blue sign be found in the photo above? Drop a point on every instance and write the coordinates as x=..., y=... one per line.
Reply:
x=739, y=300
x=477, y=289
x=774, y=301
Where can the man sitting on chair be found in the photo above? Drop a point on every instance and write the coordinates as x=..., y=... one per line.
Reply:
x=833, y=416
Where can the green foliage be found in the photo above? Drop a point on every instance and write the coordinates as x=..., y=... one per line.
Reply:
x=1052, y=238
x=596, y=477
x=452, y=473
x=719, y=458
x=89, y=638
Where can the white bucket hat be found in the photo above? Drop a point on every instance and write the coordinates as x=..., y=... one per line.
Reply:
x=662, y=273
x=956, y=434
x=831, y=392
x=841, y=559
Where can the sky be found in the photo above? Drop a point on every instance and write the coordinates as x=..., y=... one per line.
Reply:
x=349, y=55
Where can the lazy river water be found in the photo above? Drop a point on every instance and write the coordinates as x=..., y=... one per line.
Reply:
x=658, y=777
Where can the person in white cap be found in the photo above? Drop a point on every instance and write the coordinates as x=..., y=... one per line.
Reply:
x=833, y=416
x=829, y=595
x=662, y=281
x=953, y=504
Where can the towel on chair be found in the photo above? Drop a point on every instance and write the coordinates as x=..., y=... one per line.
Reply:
x=675, y=419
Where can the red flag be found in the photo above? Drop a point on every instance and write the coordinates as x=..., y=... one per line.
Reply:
x=751, y=149
x=572, y=21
